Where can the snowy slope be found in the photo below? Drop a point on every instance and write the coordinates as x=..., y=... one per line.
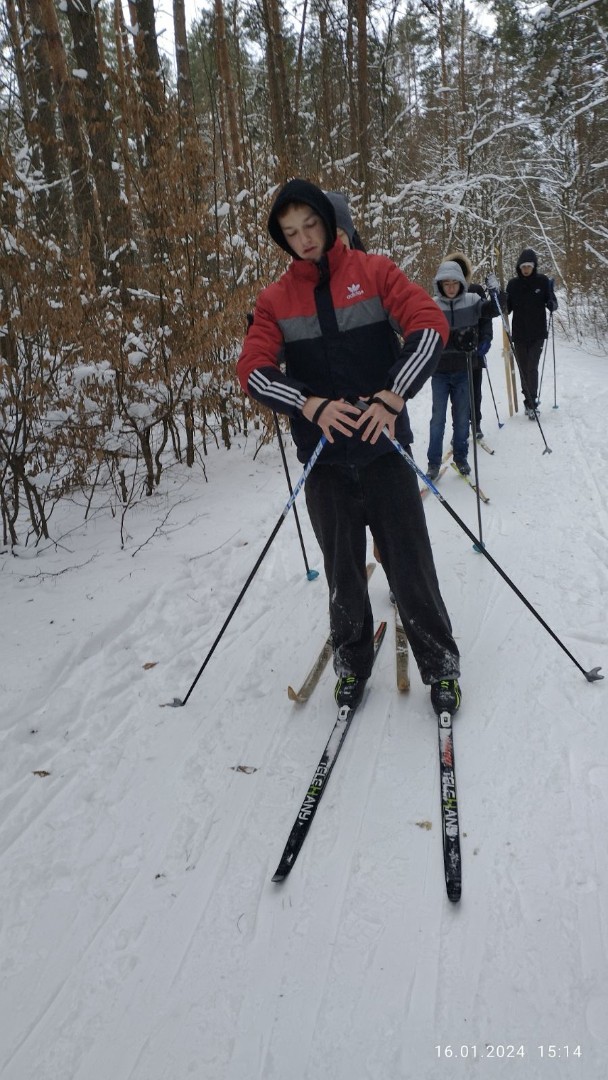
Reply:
x=141, y=936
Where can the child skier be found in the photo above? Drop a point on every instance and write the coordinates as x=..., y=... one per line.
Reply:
x=528, y=294
x=330, y=318
x=450, y=382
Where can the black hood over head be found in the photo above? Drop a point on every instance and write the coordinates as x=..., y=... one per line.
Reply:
x=302, y=191
x=528, y=255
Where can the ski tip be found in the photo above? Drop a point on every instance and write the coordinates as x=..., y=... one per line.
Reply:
x=454, y=891
x=278, y=878
x=593, y=675
x=312, y=574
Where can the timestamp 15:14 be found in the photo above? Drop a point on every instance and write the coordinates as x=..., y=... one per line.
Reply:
x=551, y=1051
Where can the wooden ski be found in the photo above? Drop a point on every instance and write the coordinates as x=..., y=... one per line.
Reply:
x=402, y=654
x=302, y=695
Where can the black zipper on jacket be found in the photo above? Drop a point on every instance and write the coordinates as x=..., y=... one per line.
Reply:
x=324, y=303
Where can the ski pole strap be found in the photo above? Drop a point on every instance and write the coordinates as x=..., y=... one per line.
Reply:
x=389, y=408
x=319, y=410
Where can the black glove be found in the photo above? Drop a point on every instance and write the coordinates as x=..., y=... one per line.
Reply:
x=464, y=340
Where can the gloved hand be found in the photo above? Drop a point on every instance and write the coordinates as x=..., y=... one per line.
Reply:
x=464, y=340
x=483, y=347
x=492, y=282
x=552, y=305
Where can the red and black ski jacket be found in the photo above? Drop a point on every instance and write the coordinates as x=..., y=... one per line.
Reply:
x=329, y=329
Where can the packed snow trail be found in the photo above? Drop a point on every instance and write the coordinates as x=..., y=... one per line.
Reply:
x=141, y=936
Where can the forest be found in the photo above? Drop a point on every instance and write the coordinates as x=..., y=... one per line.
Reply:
x=135, y=191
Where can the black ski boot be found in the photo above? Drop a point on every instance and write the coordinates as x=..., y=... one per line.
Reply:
x=349, y=690
x=445, y=696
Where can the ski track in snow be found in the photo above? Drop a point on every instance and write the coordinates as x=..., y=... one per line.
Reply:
x=142, y=938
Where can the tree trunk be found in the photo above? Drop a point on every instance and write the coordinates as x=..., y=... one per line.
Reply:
x=149, y=65
x=326, y=84
x=352, y=82
x=227, y=86
x=276, y=111
x=39, y=121
x=44, y=18
x=362, y=97
x=100, y=128
x=185, y=94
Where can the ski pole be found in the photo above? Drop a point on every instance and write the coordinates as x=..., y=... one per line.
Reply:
x=288, y=505
x=494, y=295
x=310, y=574
x=593, y=674
x=479, y=543
x=493, y=398
x=542, y=370
x=555, y=405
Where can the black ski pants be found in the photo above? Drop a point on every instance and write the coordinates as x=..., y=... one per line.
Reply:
x=528, y=356
x=342, y=501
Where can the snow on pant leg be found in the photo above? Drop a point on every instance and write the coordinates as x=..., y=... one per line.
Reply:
x=461, y=413
x=440, y=385
x=335, y=505
x=528, y=357
x=396, y=517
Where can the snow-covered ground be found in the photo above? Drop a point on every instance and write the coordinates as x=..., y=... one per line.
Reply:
x=141, y=936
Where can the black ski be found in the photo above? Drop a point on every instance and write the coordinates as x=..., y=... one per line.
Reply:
x=449, y=809
x=318, y=783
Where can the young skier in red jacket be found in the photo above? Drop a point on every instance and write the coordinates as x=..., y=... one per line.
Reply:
x=323, y=337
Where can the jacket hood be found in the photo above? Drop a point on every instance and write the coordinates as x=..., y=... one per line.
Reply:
x=302, y=191
x=450, y=271
x=528, y=255
x=344, y=220
x=463, y=262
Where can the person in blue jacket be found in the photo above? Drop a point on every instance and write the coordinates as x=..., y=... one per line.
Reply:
x=465, y=311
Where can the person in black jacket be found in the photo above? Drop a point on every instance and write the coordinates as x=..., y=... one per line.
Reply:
x=528, y=295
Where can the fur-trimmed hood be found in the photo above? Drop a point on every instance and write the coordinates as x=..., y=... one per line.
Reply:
x=464, y=263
